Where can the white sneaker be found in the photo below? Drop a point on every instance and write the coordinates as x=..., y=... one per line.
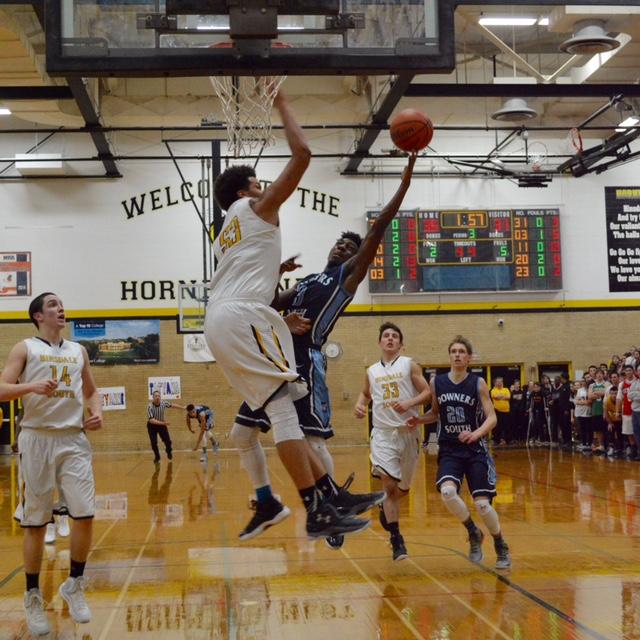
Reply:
x=36, y=617
x=62, y=526
x=204, y=458
x=72, y=591
x=50, y=534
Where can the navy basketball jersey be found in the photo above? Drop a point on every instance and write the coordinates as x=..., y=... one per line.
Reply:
x=202, y=409
x=321, y=298
x=460, y=408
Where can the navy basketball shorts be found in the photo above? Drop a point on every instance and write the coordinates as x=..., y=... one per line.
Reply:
x=477, y=466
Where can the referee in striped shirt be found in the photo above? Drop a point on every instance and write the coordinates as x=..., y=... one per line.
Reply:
x=157, y=425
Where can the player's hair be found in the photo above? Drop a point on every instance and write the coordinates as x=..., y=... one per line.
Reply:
x=37, y=304
x=190, y=408
x=229, y=182
x=389, y=325
x=461, y=340
x=353, y=236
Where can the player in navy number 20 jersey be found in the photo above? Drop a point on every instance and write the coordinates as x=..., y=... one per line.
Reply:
x=462, y=406
x=312, y=308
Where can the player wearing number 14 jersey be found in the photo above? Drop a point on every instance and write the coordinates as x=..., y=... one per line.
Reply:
x=462, y=406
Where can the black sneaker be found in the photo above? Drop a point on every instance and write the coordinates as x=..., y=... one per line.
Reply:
x=156, y=461
x=399, y=550
x=169, y=455
x=267, y=514
x=353, y=504
x=335, y=542
x=383, y=518
x=503, y=558
x=475, y=545
x=325, y=521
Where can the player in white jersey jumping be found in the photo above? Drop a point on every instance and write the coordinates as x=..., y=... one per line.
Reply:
x=53, y=378
x=396, y=387
x=249, y=339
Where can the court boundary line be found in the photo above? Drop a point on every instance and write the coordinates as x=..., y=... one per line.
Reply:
x=522, y=591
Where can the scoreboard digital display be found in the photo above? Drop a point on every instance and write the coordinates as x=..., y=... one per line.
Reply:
x=483, y=250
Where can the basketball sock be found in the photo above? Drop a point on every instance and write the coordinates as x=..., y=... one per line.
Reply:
x=470, y=525
x=310, y=498
x=33, y=581
x=327, y=486
x=77, y=569
x=251, y=454
x=489, y=516
x=393, y=528
x=263, y=494
x=454, y=503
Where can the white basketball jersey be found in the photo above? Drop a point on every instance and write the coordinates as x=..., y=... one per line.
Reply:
x=248, y=251
x=389, y=383
x=63, y=362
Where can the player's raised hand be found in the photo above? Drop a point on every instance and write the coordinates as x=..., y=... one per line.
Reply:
x=44, y=387
x=290, y=264
x=297, y=323
x=360, y=411
x=93, y=423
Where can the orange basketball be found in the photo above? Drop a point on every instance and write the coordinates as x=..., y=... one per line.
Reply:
x=411, y=130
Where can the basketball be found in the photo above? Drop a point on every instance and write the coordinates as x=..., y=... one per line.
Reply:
x=411, y=130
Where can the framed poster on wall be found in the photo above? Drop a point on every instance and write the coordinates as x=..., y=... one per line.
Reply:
x=15, y=274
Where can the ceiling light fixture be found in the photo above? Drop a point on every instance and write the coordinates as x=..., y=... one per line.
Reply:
x=543, y=22
x=4, y=111
x=514, y=110
x=507, y=22
x=589, y=38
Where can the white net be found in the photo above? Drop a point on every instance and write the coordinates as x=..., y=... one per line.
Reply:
x=247, y=102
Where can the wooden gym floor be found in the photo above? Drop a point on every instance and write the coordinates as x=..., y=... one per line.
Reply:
x=166, y=561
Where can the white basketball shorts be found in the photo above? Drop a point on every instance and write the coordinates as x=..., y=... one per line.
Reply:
x=627, y=425
x=50, y=459
x=253, y=345
x=395, y=453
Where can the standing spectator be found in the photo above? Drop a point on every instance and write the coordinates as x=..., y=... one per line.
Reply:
x=614, y=378
x=537, y=411
x=623, y=408
x=614, y=367
x=597, y=392
x=634, y=396
x=518, y=412
x=158, y=426
x=583, y=416
x=554, y=410
x=500, y=397
x=563, y=408
x=614, y=424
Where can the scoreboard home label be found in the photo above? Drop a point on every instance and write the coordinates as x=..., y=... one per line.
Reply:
x=462, y=250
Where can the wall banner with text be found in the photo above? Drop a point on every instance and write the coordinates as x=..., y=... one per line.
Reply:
x=623, y=237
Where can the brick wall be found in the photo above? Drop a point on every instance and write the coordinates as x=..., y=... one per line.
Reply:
x=526, y=338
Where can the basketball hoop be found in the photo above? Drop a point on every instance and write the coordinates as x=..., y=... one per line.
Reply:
x=537, y=155
x=573, y=141
x=247, y=102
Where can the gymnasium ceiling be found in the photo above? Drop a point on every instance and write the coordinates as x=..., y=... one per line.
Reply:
x=481, y=63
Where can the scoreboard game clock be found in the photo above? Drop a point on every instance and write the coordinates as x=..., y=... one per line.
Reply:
x=462, y=250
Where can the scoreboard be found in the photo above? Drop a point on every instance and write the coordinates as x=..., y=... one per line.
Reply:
x=485, y=250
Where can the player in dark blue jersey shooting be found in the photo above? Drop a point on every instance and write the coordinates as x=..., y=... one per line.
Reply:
x=311, y=310
x=462, y=406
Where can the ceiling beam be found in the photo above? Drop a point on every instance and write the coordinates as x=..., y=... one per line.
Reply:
x=51, y=92
x=435, y=90
x=379, y=117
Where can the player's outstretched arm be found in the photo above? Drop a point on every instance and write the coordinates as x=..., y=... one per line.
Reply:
x=91, y=396
x=286, y=183
x=358, y=265
x=10, y=389
x=203, y=426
